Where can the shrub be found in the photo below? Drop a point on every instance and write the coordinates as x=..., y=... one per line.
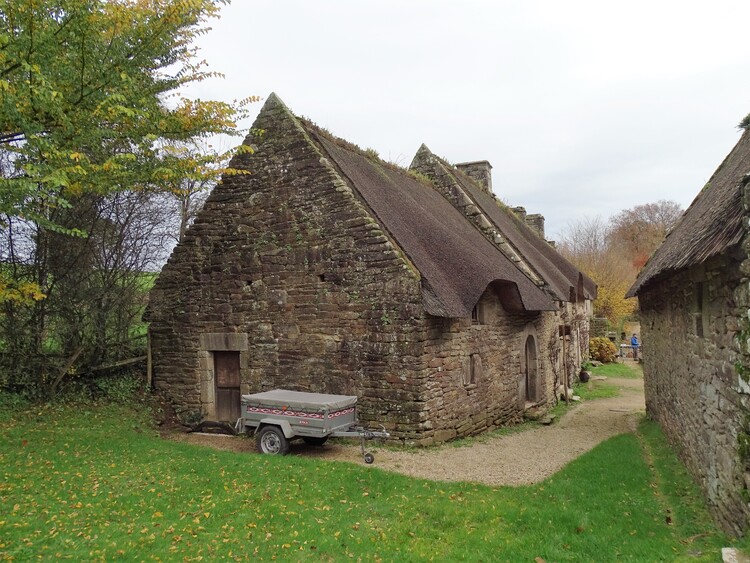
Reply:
x=602, y=349
x=12, y=401
x=119, y=389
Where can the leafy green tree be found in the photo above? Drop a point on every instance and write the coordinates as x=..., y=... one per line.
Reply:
x=92, y=124
x=89, y=99
x=202, y=167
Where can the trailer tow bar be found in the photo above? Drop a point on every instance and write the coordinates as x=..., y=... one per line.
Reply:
x=363, y=434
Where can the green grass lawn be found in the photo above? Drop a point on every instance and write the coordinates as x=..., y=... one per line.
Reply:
x=597, y=389
x=630, y=370
x=94, y=482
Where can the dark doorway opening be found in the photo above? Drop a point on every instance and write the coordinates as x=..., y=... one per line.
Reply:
x=532, y=383
x=227, y=376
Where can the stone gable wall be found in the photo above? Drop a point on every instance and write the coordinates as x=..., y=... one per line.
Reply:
x=287, y=267
x=291, y=259
x=692, y=387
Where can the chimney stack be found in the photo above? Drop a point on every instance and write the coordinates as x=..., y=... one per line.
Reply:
x=479, y=171
x=520, y=212
x=536, y=222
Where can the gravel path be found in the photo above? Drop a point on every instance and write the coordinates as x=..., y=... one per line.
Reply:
x=521, y=458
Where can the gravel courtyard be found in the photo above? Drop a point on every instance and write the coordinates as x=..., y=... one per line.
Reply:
x=520, y=458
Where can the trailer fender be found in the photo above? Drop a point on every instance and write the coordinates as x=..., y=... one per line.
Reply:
x=286, y=428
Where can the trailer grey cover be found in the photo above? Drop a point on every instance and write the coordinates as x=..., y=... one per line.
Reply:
x=300, y=400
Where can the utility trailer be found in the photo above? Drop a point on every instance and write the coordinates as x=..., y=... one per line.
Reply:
x=278, y=416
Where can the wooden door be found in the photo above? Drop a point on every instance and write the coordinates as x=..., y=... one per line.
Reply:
x=227, y=376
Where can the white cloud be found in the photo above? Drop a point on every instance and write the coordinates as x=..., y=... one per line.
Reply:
x=582, y=107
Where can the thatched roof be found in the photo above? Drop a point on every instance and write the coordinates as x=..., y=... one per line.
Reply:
x=564, y=281
x=454, y=259
x=712, y=224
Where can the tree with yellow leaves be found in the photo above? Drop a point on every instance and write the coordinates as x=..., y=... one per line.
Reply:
x=611, y=253
x=90, y=96
x=90, y=108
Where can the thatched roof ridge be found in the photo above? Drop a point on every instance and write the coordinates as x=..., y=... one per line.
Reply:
x=562, y=278
x=710, y=226
x=560, y=274
x=455, y=261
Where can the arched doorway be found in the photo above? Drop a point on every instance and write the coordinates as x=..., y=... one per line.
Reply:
x=532, y=380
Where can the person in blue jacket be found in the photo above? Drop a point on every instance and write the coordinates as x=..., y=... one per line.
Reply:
x=635, y=344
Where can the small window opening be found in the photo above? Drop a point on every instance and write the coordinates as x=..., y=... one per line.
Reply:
x=476, y=315
x=472, y=369
x=698, y=315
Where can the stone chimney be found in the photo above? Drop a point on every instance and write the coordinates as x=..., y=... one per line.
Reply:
x=536, y=222
x=480, y=171
x=520, y=212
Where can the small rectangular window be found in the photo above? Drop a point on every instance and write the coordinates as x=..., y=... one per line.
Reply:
x=472, y=369
x=479, y=314
x=698, y=312
x=476, y=367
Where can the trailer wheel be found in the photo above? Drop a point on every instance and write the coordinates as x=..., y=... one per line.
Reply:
x=315, y=440
x=369, y=458
x=271, y=440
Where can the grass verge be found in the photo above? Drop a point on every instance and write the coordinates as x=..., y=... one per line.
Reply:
x=94, y=482
x=594, y=389
x=628, y=370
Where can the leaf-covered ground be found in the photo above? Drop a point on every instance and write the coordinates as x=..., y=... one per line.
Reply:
x=95, y=482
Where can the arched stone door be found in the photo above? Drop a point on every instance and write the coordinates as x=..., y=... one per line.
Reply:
x=532, y=375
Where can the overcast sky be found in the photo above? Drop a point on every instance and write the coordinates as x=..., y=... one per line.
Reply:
x=583, y=108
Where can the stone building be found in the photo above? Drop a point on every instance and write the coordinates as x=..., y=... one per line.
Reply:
x=695, y=325
x=325, y=269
